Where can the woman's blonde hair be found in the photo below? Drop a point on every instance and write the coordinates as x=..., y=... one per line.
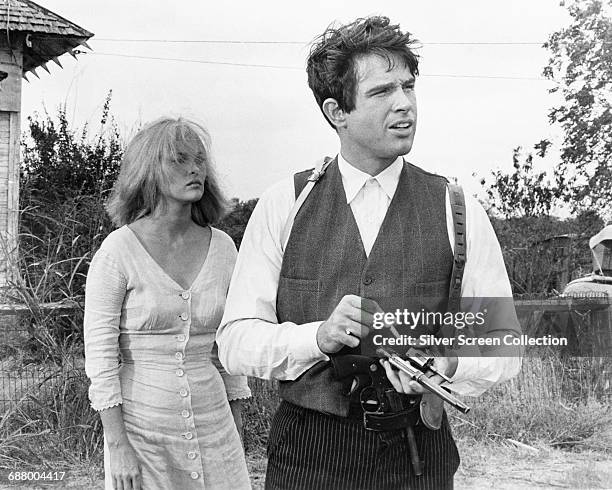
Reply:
x=138, y=190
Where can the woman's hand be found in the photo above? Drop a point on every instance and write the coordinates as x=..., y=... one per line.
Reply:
x=236, y=406
x=124, y=466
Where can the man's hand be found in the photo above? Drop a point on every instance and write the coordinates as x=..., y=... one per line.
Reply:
x=124, y=466
x=404, y=383
x=349, y=322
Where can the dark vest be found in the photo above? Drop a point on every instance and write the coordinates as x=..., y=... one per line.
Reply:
x=324, y=260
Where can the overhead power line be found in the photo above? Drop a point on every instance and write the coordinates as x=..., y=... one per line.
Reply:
x=302, y=43
x=205, y=62
x=196, y=41
x=287, y=67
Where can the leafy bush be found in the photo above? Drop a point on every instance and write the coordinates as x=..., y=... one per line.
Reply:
x=538, y=250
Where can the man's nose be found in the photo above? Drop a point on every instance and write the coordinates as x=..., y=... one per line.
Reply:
x=403, y=100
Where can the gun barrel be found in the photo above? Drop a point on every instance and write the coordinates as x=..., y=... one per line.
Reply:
x=423, y=380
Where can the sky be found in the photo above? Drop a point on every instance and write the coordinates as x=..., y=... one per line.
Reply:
x=476, y=102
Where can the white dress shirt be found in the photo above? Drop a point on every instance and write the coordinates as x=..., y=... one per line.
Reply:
x=252, y=342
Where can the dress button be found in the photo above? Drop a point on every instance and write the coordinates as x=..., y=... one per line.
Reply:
x=367, y=280
x=179, y=372
x=191, y=455
x=178, y=356
x=185, y=414
x=184, y=316
x=194, y=475
x=185, y=295
x=188, y=436
x=180, y=338
x=183, y=392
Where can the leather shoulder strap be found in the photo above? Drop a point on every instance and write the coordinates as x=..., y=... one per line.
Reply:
x=457, y=202
x=301, y=194
x=300, y=180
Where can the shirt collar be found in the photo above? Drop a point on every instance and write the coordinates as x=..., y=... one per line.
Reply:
x=353, y=179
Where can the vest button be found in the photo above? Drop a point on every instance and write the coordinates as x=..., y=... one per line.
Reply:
x=367, y=280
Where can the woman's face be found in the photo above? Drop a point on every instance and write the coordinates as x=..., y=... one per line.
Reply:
x=186, y=174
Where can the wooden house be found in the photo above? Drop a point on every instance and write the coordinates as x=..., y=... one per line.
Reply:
x=30, y=37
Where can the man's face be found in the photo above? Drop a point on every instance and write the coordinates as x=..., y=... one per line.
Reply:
x=382, y=124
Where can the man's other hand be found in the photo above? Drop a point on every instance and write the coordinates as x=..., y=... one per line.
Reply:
x=403, y=383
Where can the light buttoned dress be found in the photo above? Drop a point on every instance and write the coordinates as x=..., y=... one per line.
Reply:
x=149, y=346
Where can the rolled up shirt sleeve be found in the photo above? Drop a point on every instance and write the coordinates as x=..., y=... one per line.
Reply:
x=251, y=341
x=104, y=295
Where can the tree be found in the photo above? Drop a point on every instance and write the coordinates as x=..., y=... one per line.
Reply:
x=235, y=222
x=523, y=192
x=60, y=163
x=581, y=64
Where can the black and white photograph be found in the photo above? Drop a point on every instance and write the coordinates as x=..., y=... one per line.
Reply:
x=229, y=260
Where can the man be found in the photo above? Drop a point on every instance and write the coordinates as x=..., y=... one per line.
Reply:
x=373, y=233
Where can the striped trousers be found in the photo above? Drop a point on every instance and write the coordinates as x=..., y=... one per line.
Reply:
x=313, y=451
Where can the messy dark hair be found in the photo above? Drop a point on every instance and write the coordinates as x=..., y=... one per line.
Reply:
x=332, y=62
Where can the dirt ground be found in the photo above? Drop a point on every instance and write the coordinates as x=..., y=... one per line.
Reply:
x=483, y=466
x=506, y=466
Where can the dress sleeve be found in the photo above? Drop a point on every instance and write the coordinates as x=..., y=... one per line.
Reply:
x=104, y=294
x=236, y=387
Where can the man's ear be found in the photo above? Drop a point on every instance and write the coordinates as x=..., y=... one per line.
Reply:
x=334, y=114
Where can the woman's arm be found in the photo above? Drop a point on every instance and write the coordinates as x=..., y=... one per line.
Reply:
x=104, y=295
x=236, y=389
x=124, y=464
x=236, y=406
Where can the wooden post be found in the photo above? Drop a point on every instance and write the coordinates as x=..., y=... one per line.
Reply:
x=11, y=67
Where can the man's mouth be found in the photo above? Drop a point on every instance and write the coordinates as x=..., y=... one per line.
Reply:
x=401, y=125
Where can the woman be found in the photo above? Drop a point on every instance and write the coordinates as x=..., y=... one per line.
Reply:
x=154, y=298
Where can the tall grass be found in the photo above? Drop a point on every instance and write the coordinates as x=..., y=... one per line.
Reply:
x=548, y=403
